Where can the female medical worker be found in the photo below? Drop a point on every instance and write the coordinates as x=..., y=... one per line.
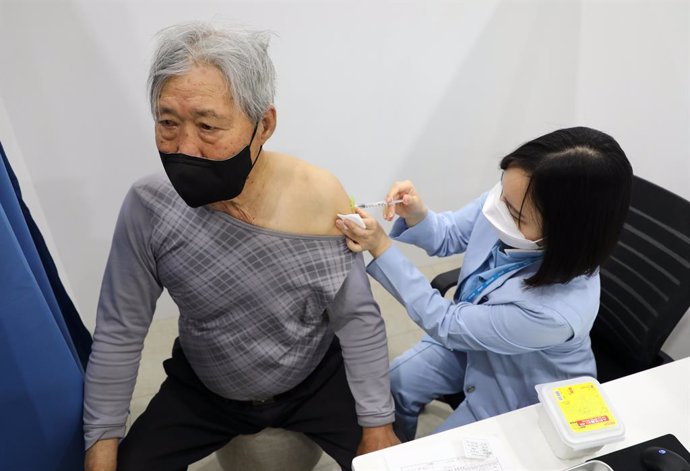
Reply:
x=528, y=291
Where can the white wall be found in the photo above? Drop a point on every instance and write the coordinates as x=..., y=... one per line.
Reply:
x=374, y=91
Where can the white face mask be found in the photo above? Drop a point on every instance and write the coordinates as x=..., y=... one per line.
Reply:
x=498, y=215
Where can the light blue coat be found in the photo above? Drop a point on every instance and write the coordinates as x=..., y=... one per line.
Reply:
x=516, y=338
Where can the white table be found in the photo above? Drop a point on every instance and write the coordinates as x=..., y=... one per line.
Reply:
x=651, y=403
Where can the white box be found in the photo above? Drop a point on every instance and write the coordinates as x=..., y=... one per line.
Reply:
x=577, y=417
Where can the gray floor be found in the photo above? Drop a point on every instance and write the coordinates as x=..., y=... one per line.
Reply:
x=402, y=334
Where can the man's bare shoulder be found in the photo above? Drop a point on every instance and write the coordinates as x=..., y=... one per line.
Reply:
x=328, y=188
x=319, y=194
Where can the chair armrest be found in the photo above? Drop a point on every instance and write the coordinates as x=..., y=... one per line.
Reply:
x=445, y=281
x=662, y=358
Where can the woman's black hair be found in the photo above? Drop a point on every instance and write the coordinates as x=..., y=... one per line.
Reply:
x=580, y=183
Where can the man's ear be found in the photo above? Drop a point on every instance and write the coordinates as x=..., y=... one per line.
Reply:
x=267, y=125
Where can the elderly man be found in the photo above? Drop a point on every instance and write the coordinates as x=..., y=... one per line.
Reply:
x=278, y=326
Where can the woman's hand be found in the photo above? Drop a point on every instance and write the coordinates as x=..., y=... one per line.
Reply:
x=371, y=237
x=411, y=208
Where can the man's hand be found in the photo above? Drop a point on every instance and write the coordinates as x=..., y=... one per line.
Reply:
x=377, y=438
x=102, y=456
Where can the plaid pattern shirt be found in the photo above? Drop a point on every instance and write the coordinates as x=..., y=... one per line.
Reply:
x=258, y=308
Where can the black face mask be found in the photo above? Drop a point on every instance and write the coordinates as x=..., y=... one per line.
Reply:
x=202, y=181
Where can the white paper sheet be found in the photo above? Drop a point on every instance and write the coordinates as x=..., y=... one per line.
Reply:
x=462, y=454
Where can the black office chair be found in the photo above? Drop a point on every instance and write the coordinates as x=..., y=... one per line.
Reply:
x=645, y=285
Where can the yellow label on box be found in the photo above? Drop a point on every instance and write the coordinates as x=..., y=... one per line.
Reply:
x=583, y=407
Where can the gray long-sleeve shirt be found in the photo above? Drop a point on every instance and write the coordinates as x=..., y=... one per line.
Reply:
x=258, y=308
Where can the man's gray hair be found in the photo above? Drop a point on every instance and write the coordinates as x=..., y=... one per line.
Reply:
x=241, y=55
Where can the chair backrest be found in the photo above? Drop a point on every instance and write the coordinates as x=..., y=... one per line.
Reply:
x=645, y=284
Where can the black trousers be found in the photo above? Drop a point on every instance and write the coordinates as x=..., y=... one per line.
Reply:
x=185, y=421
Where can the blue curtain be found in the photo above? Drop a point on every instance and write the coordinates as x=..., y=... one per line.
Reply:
x=42, y=375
